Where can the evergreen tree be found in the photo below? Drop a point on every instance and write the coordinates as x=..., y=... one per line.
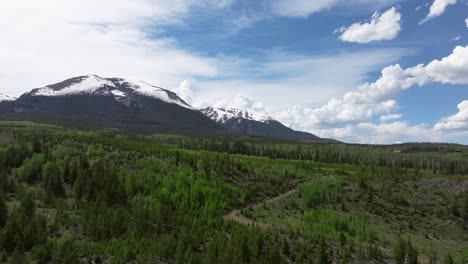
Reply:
x=3, y=256
x=53, y=183
x=275, y=256
x=412, y=253
x=27, y=205
x=465, y=212
x=74, y=171
x=3, y=212
x=449, y=260
x=18, y=257
x=4, y=183
x=285, y=247
x=36, y=144
x=399, y=251
x=245, y=252
x=322, y=253
x=65, y=253
x=66, y=171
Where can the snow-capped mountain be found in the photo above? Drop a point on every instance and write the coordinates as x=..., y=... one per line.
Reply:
x=115, y=87
x=94, y=102
x=250, y=122
x=223, y=115
x=139, y=107
x=4, y=97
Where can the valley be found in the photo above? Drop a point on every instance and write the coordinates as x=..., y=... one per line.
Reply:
x=117, y=198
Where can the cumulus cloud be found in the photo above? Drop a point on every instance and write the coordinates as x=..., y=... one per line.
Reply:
x=386, y=133
x=309, y=79
x=394, y=132
x=109, y=38
x=383, y=26
x=185, y=91
x=390, y=117
x=466, y=21
x=459, y=121
x=359, y=106
x=242, y=102
x=356, y=106
x=452, y=69
x=438, y=8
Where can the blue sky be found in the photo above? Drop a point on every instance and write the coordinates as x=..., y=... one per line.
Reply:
x=317, y=66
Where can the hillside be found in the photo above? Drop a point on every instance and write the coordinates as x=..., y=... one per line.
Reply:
x=71, y=196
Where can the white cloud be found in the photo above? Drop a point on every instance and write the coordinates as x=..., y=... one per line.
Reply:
x=438, y=8
x=185, y=91
x=242, y=102
x=466, y=21
x=300, y=8
x=379, y=98
x=386, y=133
x=356, y=106
x=283, y=79
x=51, y=40
x=394, y=132
x=390, y=117
x=385, y=26
x=305, y=8
x=452, y=69
x=458, y=121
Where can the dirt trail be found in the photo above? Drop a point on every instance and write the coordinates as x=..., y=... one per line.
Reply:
x=235, y=215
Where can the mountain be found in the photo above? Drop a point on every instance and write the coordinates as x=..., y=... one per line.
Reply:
x=250, y=122
x=138, y=107
x=94, y=102
x=4, y=97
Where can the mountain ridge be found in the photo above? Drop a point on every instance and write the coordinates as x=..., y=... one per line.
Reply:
x=90, y=101
x=250, y=122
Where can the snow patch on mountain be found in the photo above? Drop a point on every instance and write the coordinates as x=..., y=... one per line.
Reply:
x=150, y=90
x=223, y=115
x=88, y=84
x=4, y=97
x=119, y=88
x=118, y=93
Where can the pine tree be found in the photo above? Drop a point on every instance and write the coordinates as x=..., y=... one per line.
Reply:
x=18, y=257
x=3, y=181
x=65, y=253
x=275, y=257
x=465, y=212
x=323, y=254
x=74, y=171
x=212, y=254
x=36, y=144
x=3, y=256
x=245, y=252
x=412, y=254
x=66, y=171
x=53, y=183
x=449, y=260
x=3, y=213
x=285, y=247
x=27, y=205
x=399, y=251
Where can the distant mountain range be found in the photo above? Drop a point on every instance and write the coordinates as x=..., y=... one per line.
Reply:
x=138, y=107
x=249, y=122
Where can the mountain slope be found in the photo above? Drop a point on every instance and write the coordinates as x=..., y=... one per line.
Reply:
x=249, y=122
x=95, y=102
x=4, y=97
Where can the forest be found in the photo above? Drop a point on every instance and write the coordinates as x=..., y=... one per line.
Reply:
x=70, y=196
